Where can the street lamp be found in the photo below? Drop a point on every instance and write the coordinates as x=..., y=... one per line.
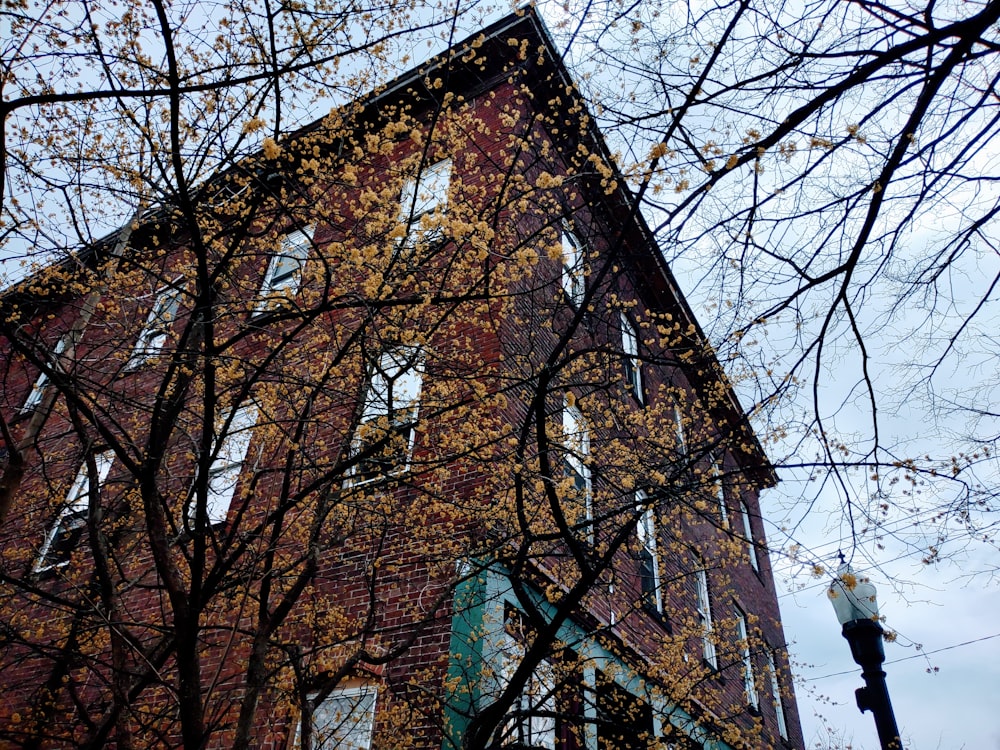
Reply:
x=853, y=599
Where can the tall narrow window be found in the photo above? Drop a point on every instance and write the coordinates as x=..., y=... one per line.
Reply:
x=384, y=440
x=67, y=531
x=705, y=618
x=743, y=643
x=284, y=270
x=573, y=280
x=719, y=489
x=230, y=451
x=576, y=444
x=38, y=389
x=779, y=708
x=630, y=358
x=649, y=560
x=343, y=720
x=748, y=534
x=679, y=430
x=423, y=204
x=154, y=334
x=532, y=718
x=625, y=721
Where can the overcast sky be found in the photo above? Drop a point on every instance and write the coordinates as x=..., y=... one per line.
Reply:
x=944, y=694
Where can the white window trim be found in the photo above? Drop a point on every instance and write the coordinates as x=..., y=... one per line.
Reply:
x=719, y=489
x=397, y=364
x=749, y=681
x=77, y=501
x=573, y=274
x=705, y=618
x=154, y=333
x=679, y=430
x=38, y=389
x=230, y=453
x=748, y=533
x=424, y=195
x=366, y=722
x=646, y=531
x=527, y=729
x=630, y=352
x=576, y=444
x=779, y=708
x=294, y=249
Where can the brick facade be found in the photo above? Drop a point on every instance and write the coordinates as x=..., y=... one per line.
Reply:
x=370, y=537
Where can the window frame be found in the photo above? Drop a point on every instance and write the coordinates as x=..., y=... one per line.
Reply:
x=748, y=533
x=630, y=359
x=362, y=691
x=704, y=611
x=37, y=392
x=576, y=452
x=409, y=364
x=230, y=451
x=646, y=531
x=574, y=281
x=624, y=720
x=746, y=658
x=779, y=708
x=679, y=429
x=522, y=727
x=412, y=209
x=154, y=334
x=719, y=490
x=295, y=247
x=73, y=513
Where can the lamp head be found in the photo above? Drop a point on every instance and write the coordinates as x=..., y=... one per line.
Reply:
x=852, y=596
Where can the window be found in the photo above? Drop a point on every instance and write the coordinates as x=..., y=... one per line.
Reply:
x=572, y=267
x=384, y=441
x=70, y=524
x=532, y=721
x=576, y=443
x=743, y=643
x=624, y=721
x=630, y=355
x=679, y=430
x=649, y=560
x=343, y=720
x=38, y=389
x=779, y=709
x=230, y=451
x=154, y=334
x=719, y=489
x=748, y=534
x=284, y=271
x=422, y=204
x=705, y=618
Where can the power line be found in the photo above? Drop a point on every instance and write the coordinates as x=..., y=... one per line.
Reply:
x=922, y=654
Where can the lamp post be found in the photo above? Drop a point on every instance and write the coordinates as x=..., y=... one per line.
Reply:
x=853, y=599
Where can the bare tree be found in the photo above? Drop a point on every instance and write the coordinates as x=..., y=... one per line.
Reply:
x=327, y=389
x=826, y=171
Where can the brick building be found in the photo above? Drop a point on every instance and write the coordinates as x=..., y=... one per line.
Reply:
x=395, y=434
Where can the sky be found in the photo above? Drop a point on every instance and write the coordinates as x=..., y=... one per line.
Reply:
x=944, y=693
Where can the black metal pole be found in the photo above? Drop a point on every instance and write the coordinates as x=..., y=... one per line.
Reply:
x=865, y=639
